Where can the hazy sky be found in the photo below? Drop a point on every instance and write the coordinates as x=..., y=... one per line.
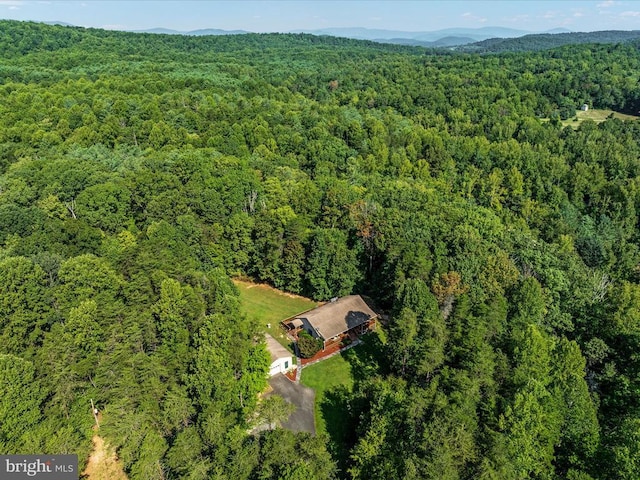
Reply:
x=282, y=16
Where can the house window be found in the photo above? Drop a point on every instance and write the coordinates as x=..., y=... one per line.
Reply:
x=286, y=364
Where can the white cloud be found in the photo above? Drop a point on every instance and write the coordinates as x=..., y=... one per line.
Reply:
x=606, y=4
x=471, y=16
x=11, y=3
x=630, y=14
x=13, y=7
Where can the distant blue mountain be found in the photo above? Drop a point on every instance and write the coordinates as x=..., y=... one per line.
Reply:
x=441, y=38
x=216, y=31
x=450, y=41
x=438, y=38
x=195, y=33
x=56, y=22
x=160, y=31
x=448, y=37
x=558, y=30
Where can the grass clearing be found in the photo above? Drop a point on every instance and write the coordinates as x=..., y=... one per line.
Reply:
x=595, y=114
x=332, y=379
x=324, y=377
x=267, y=305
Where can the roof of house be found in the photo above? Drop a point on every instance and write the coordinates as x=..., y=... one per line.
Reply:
x=336, y=317
x=275, y=349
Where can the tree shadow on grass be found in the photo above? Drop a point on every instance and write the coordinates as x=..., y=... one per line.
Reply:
x=340, y=425
x=367, y=359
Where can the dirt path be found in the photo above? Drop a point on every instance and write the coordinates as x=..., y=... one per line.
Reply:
x=247, y=284
x=103, y=463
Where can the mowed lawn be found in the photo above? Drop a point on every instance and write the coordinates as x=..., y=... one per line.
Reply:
x=595, y=114
x=324, y=377
x=332, y=378
x=266, y=305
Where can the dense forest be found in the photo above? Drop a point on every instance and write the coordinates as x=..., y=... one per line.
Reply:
x=139, y=173
x=543, y=41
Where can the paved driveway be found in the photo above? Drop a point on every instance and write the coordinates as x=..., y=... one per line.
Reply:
x=302, y=420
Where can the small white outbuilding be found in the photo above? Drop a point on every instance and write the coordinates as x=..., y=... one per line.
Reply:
x=584, y=107
x=281, y=359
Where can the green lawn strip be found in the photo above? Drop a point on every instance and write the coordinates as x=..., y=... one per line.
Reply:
x=323, y=377
x=266, y=305
x=330, y=379
x=335, y=376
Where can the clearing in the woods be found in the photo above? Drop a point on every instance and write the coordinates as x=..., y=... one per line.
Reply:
x=103, y=463
x=269, y=306
x=595, y=114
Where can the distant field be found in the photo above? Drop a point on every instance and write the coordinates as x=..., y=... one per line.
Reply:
x=267, y=305
x=596, y=115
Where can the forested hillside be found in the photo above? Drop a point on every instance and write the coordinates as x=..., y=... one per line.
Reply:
x=139, y=172
x=544, y=41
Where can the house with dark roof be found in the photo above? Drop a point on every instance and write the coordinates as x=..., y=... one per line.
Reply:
x=335, y=320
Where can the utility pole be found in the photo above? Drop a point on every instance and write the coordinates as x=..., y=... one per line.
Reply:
x=94, y=410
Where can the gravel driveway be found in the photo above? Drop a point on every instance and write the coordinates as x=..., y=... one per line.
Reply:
x=302, y=420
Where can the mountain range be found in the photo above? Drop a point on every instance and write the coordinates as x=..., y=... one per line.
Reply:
x=439, y=38
x=470, y=34
x=485, y=39
x=197, y=33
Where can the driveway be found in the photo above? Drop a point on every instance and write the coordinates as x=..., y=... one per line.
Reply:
x=302, y=420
